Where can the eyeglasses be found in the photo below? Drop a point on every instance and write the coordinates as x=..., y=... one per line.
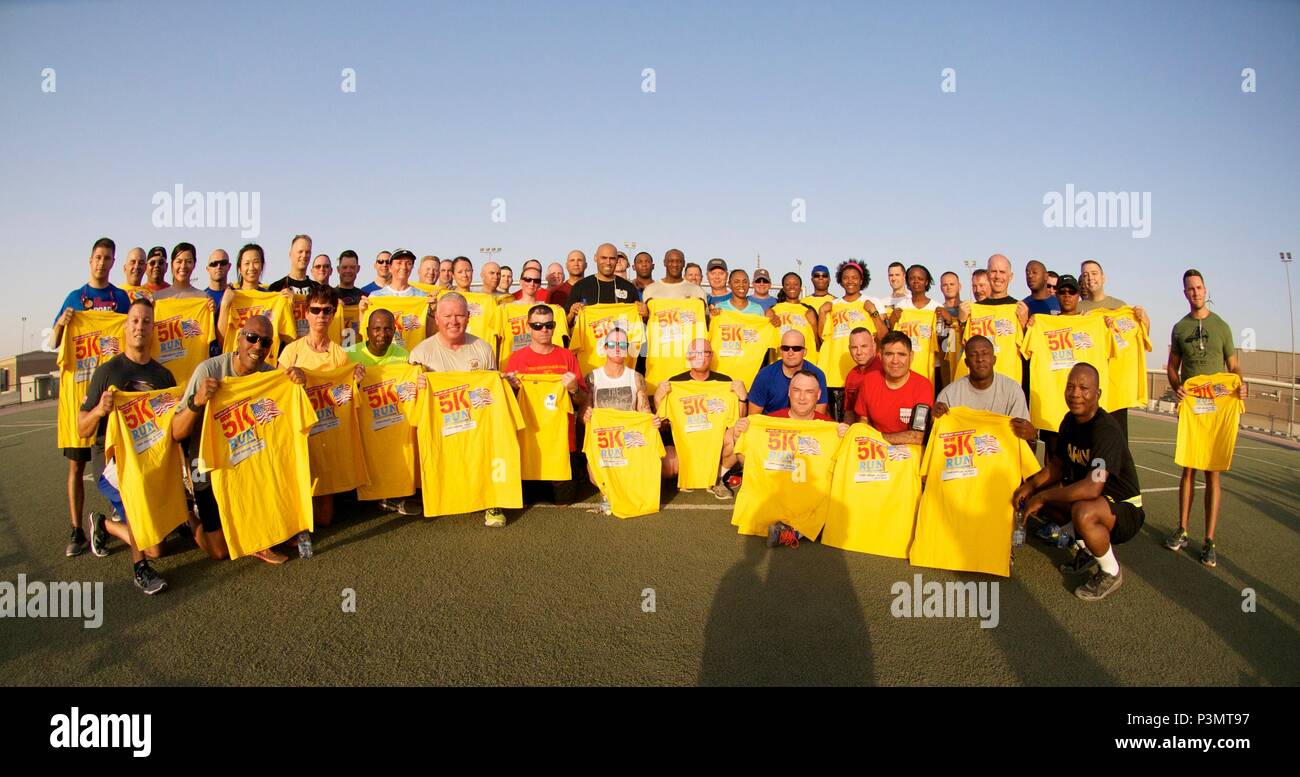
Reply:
x=791, y=348
x=538, y=326
x=693, y=354
x=222, y=263
x=155, y=263
x=253, y=339
x=1068, y=291
x=530, y=280
x=821, y=275
x=320, y=311
x=615, y=346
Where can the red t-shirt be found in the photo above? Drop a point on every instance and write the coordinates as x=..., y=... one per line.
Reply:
x=559, y=295
x=785, y=413
x=890, y=410
x=853, y=381
x=526, y=361
x=541, y=295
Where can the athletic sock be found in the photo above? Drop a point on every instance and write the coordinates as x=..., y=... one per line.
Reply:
x=1109, y=564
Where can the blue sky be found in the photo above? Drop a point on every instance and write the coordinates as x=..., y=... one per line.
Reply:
x=541, y=104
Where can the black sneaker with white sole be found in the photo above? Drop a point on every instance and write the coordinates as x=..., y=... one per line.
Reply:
x=1082, y=562
x=148, y=580
x=76, y=543
x=98, y=535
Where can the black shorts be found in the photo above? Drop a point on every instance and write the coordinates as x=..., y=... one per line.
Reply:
x=209, y=515
x=1128, y=521
x=79, y=455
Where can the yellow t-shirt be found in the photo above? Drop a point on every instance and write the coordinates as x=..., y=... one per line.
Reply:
x=817, y=302
x=788, y=468
x=387, y=435
x=1207, y=422
x=183, y=331
x=138, y=437
x=484, y=316
x=1127, y=386
x=920, y=325
x=792, y=316
x=834, y=358
x=625, y=451
x=544, y=406
x=134, y=293
x=740, y=344
x=348, y=317
x=515, y=335
x=468, y=425
x=408, y=318
x=699, y=412
x=91, y=338
x=672, y=325
x=999, y=324
x=972, y=465
x=298, y=354
x=870, y=471
x=272, y=304
x=254, y=443
x=334, y=442
x=594, y=322
x=432, y=289
x=1053, y=345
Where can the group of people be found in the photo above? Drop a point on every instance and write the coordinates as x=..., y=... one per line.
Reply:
x=866, y=368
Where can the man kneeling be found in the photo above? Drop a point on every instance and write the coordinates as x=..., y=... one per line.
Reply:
x=1090, y=486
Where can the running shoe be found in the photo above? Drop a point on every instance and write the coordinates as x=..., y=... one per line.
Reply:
x=1208, y=557
x=98, y=535
x=1099, y=586
x=76, y=543
x=304, y=545
x=148, y=580
x=494, y=518
x=1177, y=541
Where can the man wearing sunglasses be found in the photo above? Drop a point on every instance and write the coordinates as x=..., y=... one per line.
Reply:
x=762, y=288
x=218, y=270
x=251, y=349
x=530, y=283
x=1201, y=344
x=383, y=273
x=544, y=357
x=770, y=391
x=182, y=270
x=821, y=281
x=155, y=270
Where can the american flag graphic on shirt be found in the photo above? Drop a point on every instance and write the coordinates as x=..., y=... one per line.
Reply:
x=686, y=316
x=341, y=394
x=749, y=335
x=986, y=445
x=715, y=405
x=898, y=452
x=1082, y=340
x=1003, y=327
x=190, y=328
x=162, y=403
x=633, y=440
x=808, y=446
x=1219, y=390
x=480, y=397
x=409, y=321
x=264, y=411
x=405, y=391
x=109, y=346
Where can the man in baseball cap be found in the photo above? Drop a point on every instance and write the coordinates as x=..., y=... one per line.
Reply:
x=762, y=285
x=821, y=281
x=155, y=269
x=715, y=273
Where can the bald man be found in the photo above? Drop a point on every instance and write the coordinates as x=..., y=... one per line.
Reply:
x=576, y=265
x=770, y=390
x=490, y=274
x=999, y=275
x=605, y=287
x=134, y=270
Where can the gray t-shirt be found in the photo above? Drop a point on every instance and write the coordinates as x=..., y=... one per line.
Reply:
x=1003, y=396
x=176, y=292
x=1106, y=303
x=474, y=354
x=683, y=290
x=219, y=367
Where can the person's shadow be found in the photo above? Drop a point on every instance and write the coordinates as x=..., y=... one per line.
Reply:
x=802, y=625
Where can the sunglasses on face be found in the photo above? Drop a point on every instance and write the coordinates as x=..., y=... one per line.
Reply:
x=383, y=261
x=253, y=339
x=530, y=280
x=320, y=311
x=538, y=326
x=821, y=275
x=222, y=263
x=791, y=348
x=612, y=346
x=761, y=280
x=1068, y=291
x=155, y=263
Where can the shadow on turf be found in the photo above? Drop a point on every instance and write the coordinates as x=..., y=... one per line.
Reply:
x=801, y=625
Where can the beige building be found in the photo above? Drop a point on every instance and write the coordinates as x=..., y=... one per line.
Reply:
x=27, y=377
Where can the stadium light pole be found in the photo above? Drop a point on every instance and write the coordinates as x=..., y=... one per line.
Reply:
x=1291, y=412
x=22, y=338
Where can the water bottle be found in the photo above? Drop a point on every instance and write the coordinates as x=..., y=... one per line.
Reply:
x=1018, y=530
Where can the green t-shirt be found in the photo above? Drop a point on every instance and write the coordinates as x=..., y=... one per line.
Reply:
x=359, y=353
x=1204, y=345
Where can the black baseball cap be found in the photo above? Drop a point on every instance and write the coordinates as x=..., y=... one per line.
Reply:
x=157, y=251
x=401, y=254
x=1067, y=281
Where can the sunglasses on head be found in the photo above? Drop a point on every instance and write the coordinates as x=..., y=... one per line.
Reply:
x=253, y=339
x=222, y=263
x=318, y=310
x=791, y=348
x=538, y=326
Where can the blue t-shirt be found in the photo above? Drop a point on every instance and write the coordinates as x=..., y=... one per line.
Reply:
x=1050, y=306
x=215, y=296
x=90, y=298
x=771, y=389
x=764, y=303
x=370, y=288
x=718, y=299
